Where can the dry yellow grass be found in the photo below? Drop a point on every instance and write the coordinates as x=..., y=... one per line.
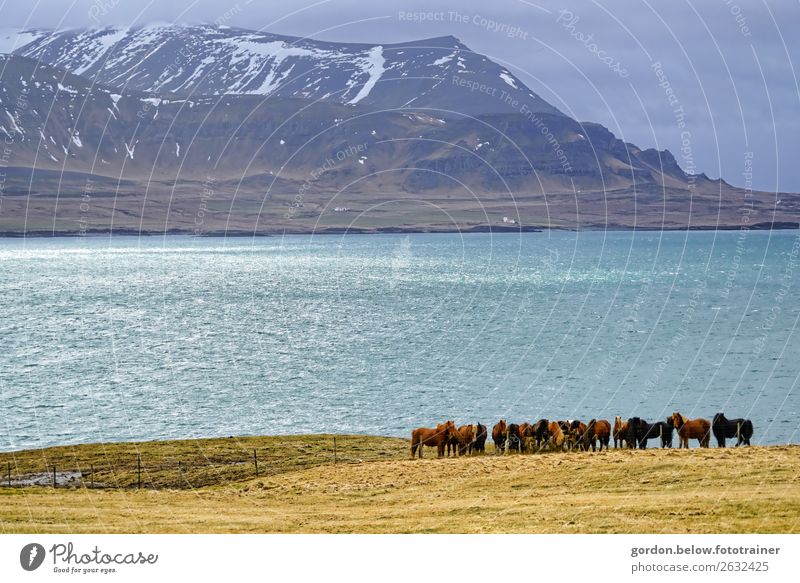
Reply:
x=745, y=490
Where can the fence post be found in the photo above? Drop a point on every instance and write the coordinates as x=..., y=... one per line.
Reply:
x=9, y=474
x=139, y=470
x=255, y=461
x=54, y=476
x=91, y=469
x=334, y=450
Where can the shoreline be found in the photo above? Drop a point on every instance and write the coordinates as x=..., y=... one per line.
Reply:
x=188, y=441
x=477, y=229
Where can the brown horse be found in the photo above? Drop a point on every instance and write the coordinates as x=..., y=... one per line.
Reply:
x=699, y=429
x=596, y=430
x=578, y=431
x=499, y=436
x=466, y=435
x=437, y=437
x=556, y=435
x=461, y=441
x=452, y=443
x=620, y=431
x=526, y=437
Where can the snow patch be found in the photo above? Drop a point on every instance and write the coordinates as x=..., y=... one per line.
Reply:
x=374, y=62
x=508, y=79
x=445, y=59
x=14, y=125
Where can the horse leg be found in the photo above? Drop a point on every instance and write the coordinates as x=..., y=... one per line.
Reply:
x=413, y=450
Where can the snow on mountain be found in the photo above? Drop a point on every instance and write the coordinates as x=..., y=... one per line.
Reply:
x=187, y=60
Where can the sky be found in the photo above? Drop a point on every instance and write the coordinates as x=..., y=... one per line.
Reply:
x=713, y=81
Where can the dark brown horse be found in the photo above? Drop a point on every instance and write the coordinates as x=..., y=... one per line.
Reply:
x=596, y=430
x=541, y=432
x=480, y=439
x=620, y=431
x=499, y=436
x=699, y=429
x=724, y=428
x=572, y=429
x=437, y=438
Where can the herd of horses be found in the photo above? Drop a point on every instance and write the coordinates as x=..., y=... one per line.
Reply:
x=574, y=434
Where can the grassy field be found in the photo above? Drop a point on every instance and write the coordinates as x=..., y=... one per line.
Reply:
x=374, y=487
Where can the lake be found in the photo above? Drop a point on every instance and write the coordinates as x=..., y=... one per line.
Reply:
x=126, y=338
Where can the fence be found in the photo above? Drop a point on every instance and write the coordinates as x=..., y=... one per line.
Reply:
x=179, y=470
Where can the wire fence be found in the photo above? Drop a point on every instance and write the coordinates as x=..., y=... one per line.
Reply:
x=190, y=469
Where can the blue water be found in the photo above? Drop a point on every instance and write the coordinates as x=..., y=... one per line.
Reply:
x=153, y=338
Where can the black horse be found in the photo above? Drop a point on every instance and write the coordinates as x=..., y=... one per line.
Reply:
x=722, y=428
x=541, y=432
x=662, y=430
x=639, y=431
x=480, y=439
x=513, y=437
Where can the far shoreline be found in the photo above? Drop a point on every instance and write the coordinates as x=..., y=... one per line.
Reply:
x=475, y=230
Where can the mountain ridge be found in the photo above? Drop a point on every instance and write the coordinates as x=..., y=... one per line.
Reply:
x=192, y=60
x=147, y=156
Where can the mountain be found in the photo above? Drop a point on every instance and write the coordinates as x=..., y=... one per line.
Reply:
x=440, y=73
x=85, y=154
